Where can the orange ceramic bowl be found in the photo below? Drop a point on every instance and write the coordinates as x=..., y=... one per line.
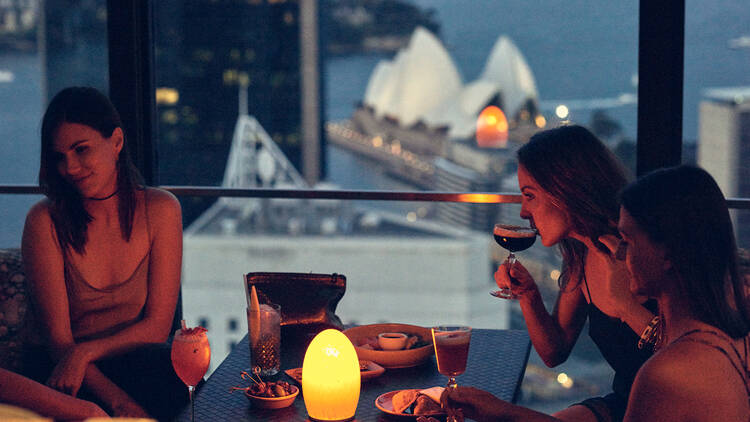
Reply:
x=392, y=358
x=273, y=402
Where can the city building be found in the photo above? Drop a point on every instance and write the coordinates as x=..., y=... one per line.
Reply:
x=724, y=145
x=205, y=50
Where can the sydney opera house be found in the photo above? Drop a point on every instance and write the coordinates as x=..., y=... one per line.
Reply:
x=422, y=122
x=421, y=85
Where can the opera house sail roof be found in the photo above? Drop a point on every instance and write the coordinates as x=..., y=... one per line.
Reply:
x=422, y=83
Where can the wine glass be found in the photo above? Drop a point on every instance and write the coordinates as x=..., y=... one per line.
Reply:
x=191, y=355
x=451, y=351
x=513, y=239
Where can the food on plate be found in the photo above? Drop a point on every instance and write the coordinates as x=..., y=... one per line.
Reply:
x=427, y=419
x=418, y=402
x=433, y=392
x=403, y=399
x=411, y=341
x=425, y=405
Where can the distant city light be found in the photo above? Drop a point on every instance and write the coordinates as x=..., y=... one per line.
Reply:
x=554, y=275
x=492, y=128
x=540, y=121
x=562, y=111
x=411, y=216
x=168, y=96
x=564, y=380
x=377, y=142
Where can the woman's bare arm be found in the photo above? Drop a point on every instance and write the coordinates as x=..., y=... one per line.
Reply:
x=552, y=334
x=26, y=393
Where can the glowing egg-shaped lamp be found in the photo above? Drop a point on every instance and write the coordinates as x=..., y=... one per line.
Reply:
x=330, y=377
x=492, y=128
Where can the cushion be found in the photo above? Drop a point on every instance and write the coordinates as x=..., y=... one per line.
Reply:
x=18, y=332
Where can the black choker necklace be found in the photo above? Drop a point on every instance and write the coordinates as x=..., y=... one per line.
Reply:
x=106, y=197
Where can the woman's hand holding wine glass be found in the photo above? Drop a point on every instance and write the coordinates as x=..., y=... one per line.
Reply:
x=513, y=239
x=514, y=278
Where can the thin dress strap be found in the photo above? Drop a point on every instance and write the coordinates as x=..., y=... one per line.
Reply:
x=585, y=283
x=743, y=372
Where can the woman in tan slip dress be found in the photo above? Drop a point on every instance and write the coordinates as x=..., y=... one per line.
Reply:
x=680, y=249
x=103, y=256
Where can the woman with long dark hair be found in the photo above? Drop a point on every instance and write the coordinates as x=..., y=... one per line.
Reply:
x=103, y=256
x=680, y=249
x=569, y=183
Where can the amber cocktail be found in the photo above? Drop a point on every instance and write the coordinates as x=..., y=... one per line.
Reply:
x=451, y=350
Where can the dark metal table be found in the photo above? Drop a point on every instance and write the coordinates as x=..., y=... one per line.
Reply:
x=497, y=361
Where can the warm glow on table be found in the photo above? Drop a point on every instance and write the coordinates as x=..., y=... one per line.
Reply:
x=330, y=377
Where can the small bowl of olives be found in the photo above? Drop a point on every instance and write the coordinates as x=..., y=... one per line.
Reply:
x=272, y=395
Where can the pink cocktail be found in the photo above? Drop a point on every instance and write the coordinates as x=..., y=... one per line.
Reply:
x=191, y=355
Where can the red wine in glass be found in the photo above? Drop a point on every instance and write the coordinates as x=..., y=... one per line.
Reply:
x=513, y=239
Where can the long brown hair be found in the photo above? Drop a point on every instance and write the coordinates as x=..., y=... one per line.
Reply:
x=584, y=178
x=683, y=209
x=86, y=106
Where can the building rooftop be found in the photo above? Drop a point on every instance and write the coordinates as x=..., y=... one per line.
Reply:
x=737, y=95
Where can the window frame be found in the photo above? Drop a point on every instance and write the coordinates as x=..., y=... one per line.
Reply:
x=660, y=96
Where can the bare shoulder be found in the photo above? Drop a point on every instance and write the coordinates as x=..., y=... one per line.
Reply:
x=162, y=203
x=38, y=222
x=39, y=212
x=692, y=373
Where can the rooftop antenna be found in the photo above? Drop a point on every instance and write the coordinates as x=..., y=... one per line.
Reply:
x=244, y=82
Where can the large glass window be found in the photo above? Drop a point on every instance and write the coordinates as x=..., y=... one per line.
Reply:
x=397, y=90
x=717, y=97
x=44, y=47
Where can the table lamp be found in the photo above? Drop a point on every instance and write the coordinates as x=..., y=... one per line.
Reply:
x=330, y=377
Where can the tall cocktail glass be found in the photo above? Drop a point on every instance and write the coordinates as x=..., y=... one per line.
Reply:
x=451, y=352
x=191, y=355
x=264, y=338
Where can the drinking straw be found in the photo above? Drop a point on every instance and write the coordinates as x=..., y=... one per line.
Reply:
x=253, y=317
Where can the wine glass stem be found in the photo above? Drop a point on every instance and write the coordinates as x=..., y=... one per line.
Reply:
x=511, y=259
x=191, y=390
x=452, y=382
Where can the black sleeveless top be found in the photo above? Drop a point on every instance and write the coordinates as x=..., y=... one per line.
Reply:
x=618, y=345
